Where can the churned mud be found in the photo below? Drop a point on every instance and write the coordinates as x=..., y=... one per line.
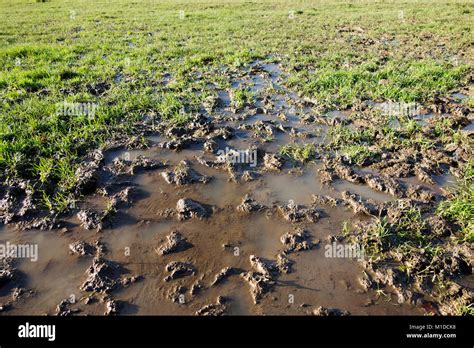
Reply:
x=184, y=225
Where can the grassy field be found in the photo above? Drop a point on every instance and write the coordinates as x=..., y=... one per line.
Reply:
x=116, y=54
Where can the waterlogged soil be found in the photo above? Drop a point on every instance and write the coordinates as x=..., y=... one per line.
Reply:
x=194, y=235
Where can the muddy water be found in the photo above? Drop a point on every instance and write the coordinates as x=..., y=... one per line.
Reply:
x=316, y=280
x=226, y=238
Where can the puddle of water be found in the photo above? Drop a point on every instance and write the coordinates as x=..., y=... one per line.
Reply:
x=220, y=192
x=328, y=282
x=459, y=96
x=299, y=188
x=336, y=113
x=262, y=235
x=224, y=98
x=54, y=276
x=423, y=119
x=273, y=69
x=445, y=181
x=469, y=128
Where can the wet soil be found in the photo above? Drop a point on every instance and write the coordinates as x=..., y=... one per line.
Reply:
x=156, y=254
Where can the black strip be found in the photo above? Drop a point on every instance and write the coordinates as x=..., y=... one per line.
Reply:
x=175, y=330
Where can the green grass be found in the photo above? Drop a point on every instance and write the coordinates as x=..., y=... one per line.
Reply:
x=341, y=135
x=405, y=237
x=353, y=144
x=405, y=232
x=242, y=97
x=358, y=154
x=460, y=207
x=467, y=309
x=298, y=152
x=142, y=58
x=412, y=81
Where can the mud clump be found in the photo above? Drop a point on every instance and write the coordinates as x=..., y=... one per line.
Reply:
x=198, y=128
x=179, y=269
x=295, y=213
x=265, y=267
x=326, y=174
x=338, y=169
x=272, y=162
x=196, y=288
x=101, y=276
x=214, y=309
x=249, y=175
x=90, y=219
x=82, y=248
x=17, y=200
x=63, y=309
x=123, y=196
x=219, y=164
x=188, y=208
x=359, y=205
x=346, y=172
x=112, y=307
x=121, y=166
x=259, y=283
x=87, y=174
x=176, y=294
x=7, y=271
x=384, y=184
x=284, y=264
x=327, y=200
x=225, y=273
x=297, y=240
x=184, y=175
x=175, y=243
x=249, y=205
x=367, y=282
x=44, y=223
x=210, y=146
x=261, y=128
x=263, y=280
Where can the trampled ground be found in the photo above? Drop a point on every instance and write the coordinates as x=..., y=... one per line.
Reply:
x=214, y=157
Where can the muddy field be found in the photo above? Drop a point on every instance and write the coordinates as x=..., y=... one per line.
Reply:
x=171, y=221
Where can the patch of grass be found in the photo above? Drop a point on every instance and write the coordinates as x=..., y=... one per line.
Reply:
x=242, y=97
x=170, y=107
x=460, y=207
x=298, y=152
x=406, y=233
x=44, y=168
x=57, y=203
x=408, y=82
x=340, y=135
x=358, y=154
x=469, y=102
x=466, y=309
x=346, y=228
x=353, y=144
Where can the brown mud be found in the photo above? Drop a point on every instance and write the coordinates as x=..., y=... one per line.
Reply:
x=176, y=228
